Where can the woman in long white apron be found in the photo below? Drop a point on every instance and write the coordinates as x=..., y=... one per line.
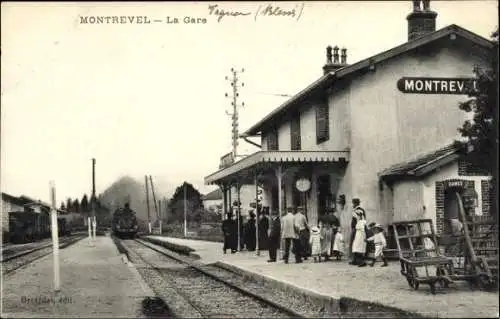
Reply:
x=359, y=244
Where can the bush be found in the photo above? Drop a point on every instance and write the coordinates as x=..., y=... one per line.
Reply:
x=204, y=231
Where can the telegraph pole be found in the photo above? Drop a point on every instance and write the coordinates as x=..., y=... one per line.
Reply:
x=92, y=221
x=147, y=203
x=185, y=211
x=234, y=115
x=154, y=197
x=160, y=214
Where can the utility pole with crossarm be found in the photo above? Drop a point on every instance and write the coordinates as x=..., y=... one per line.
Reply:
x=234, y=115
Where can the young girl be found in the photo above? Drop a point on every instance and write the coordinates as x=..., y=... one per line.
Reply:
x=380, y=243
x=315, y=242
x=338, y=244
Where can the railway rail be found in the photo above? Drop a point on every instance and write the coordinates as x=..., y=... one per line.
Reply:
x=211, y=291
x=20, y=259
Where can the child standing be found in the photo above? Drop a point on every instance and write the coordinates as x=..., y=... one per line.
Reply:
x=338, y=244
x=315, y=242
x=380, y=243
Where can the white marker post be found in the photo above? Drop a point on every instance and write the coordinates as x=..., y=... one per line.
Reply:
x=94, y=225
x=55, y=238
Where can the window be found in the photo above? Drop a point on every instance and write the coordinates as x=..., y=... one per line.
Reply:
x=272, y=140
x=295, y=133
x=322, y=127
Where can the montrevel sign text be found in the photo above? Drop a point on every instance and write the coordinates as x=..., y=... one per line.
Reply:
x=437, y=85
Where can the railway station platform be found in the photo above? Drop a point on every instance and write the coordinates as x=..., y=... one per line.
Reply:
x=337, y=279
x=95, y=282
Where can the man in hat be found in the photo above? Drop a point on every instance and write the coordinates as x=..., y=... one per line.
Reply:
x=289, y=234
x=274, y=236
x=250, y=232
x=263, y=229
x=380, y=243
x=230, y=230
x=300, y=222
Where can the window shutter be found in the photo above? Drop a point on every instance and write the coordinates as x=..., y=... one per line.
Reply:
x=272, y=141
x=295, y=133
x=322, y=129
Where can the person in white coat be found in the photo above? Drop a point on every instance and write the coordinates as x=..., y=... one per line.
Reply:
x=289, y=234
x=359, y=244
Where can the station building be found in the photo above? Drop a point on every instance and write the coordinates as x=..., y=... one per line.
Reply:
x=381, y=130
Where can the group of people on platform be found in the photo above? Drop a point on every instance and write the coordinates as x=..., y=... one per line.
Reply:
x=322, y=241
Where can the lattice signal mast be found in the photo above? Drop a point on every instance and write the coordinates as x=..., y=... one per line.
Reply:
x=234, y=115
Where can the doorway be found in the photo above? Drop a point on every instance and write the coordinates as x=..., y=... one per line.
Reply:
x=451, y=208
x=324, y=194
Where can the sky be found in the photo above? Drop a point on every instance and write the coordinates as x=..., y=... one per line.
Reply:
x=150, y=98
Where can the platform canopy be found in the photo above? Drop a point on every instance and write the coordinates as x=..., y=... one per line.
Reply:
x=259, y=162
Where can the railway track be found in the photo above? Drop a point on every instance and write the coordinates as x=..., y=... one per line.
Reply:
x=210, y=291
x=18, y=260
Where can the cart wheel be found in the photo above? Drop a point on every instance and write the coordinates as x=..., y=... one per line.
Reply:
x=433, y=288
x=473, y=283
x=483, y=281
x=443, y=282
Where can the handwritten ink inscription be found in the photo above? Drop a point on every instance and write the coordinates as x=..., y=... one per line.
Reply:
x=267, y=11
x=213, y=9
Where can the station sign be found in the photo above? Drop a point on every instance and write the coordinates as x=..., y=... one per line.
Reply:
x=422, y=85
x=455, y=183
x=226, y=160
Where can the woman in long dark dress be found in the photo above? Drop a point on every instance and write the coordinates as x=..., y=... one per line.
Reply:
x=263, y=229
x=250, y=231
x=242, y=233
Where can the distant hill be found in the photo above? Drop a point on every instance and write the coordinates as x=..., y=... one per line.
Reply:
x=126, y=189
x=129, y=189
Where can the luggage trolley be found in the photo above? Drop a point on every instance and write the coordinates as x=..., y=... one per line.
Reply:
x=421, y=261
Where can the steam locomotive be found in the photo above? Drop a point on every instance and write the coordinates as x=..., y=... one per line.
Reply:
x=124, y=223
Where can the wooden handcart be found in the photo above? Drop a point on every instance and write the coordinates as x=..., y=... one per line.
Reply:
x=475, y=249
x=421, y=261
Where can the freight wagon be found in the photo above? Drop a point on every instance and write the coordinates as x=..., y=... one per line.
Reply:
x=27, y=227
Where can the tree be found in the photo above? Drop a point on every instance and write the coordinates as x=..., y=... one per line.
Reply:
x=84, y=204
x=69, y=205
x=63, y=207
x=194, y=204
x=481, y=133
x=76, y=206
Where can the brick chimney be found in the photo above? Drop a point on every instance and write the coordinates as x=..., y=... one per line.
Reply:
x=421, y=21
x=335, y=63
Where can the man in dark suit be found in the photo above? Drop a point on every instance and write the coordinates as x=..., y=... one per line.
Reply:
x=274, y=236
x=230, y=229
